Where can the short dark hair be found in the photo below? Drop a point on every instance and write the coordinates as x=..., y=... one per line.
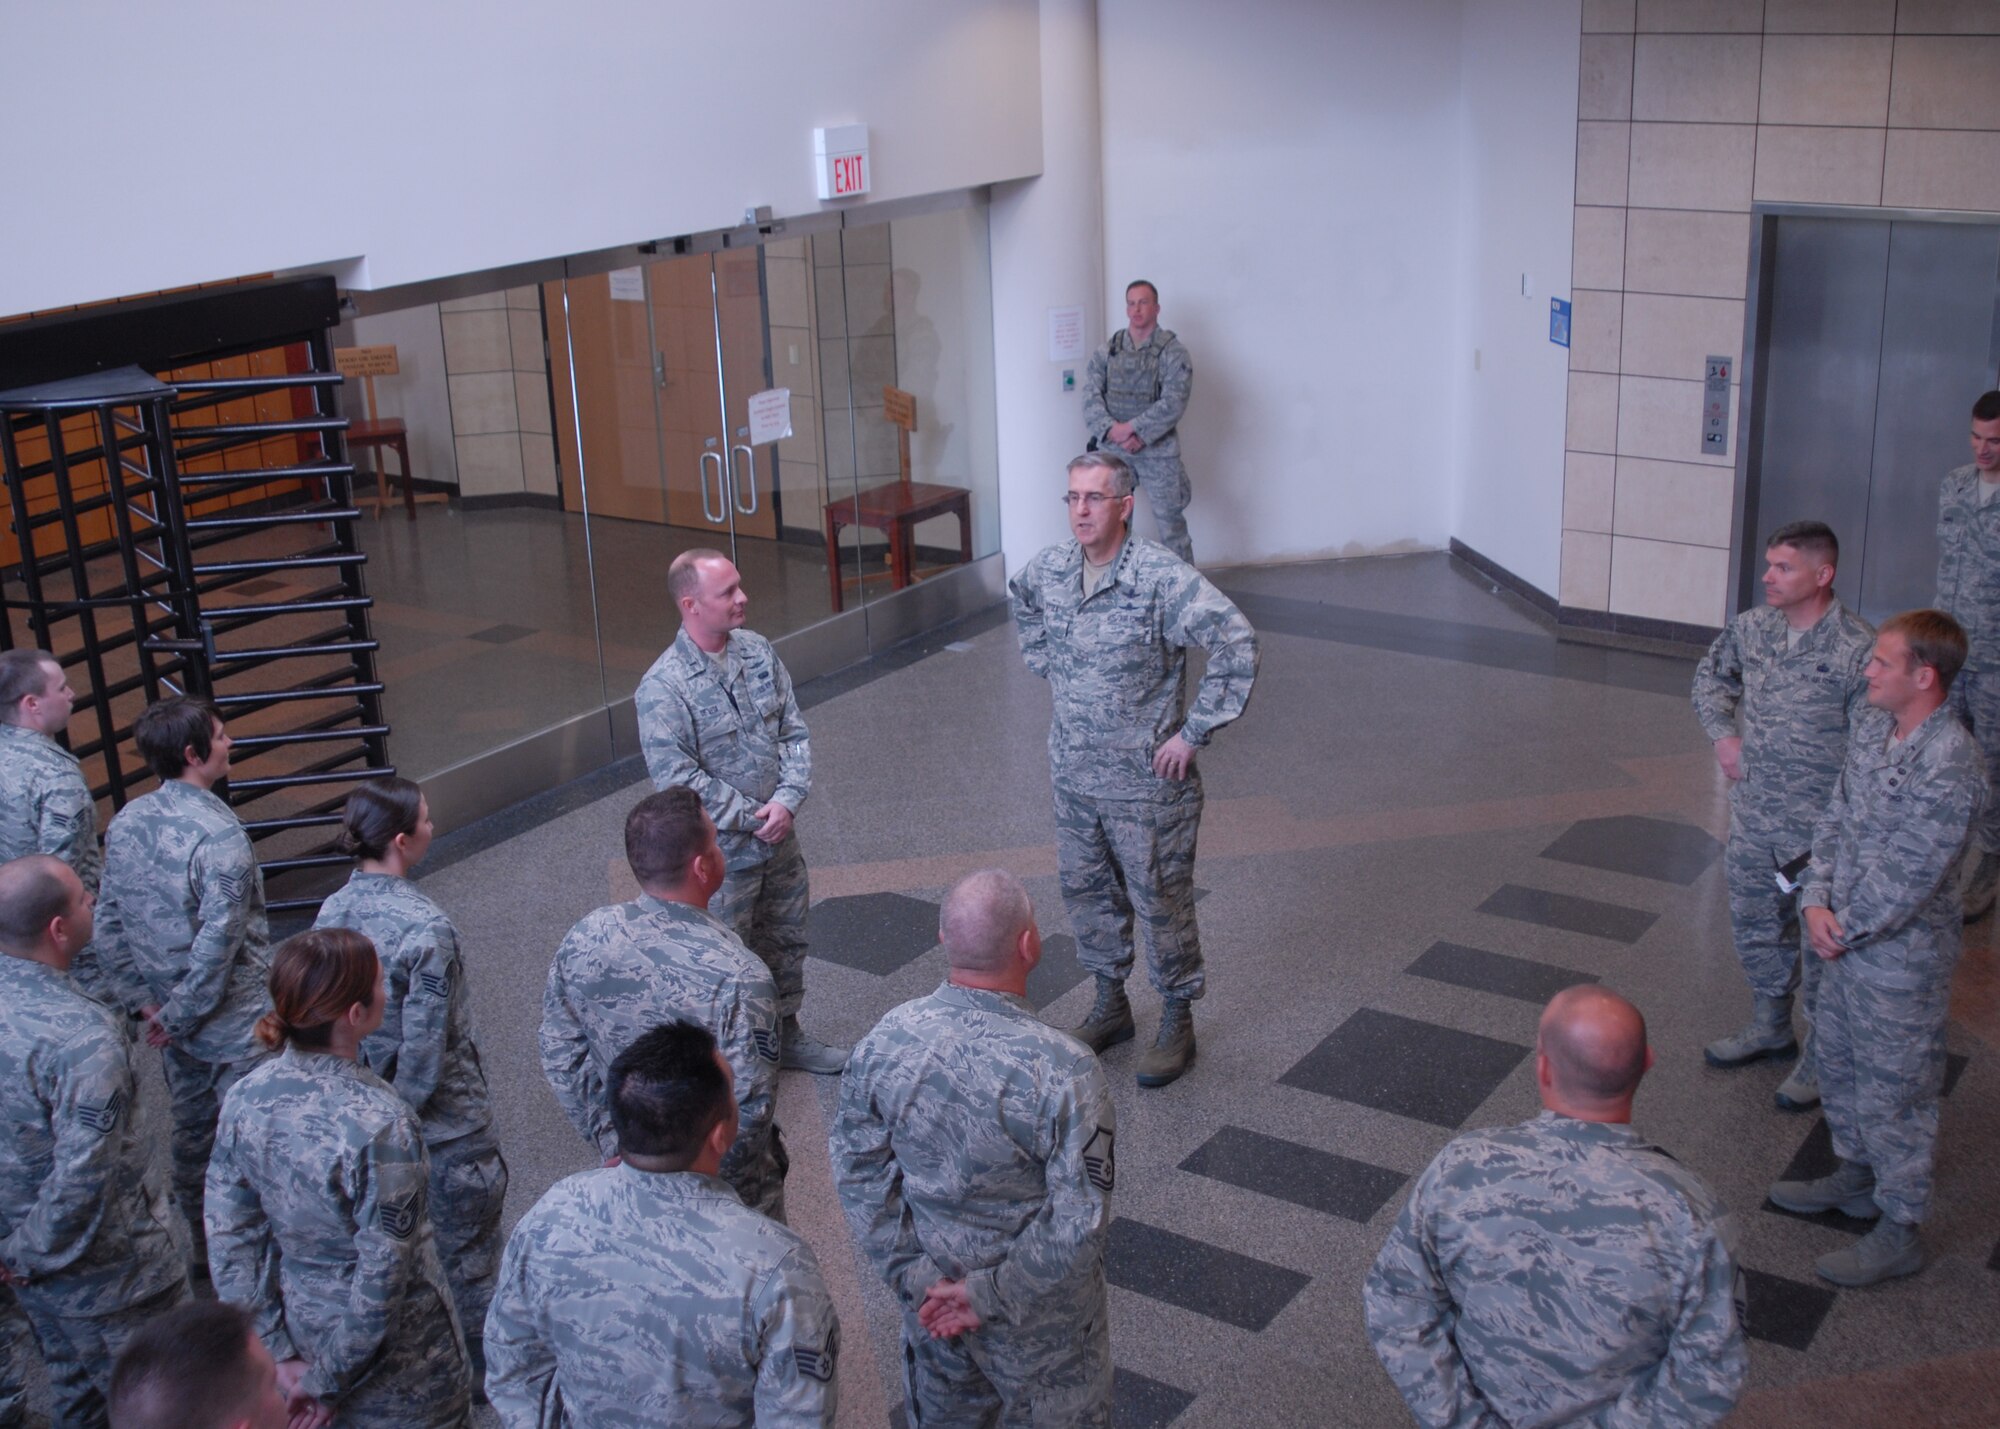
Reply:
x=1987, y=408
x=23, y=673
x=166, y=729
x=1814, y=538
x=684, y=574
x=189, y=1368
x=1146, y=283
x=376, y=812
x=667, y=1092
x=32, y=895
x=663, y=833
x=1934, y=638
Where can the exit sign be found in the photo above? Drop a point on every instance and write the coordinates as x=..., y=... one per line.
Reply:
x=840, y=161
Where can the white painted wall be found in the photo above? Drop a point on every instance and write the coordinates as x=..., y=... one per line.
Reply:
x=1517, y=166
x=421, y=140
x=1288, y=173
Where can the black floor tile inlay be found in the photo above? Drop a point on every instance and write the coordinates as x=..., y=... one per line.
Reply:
x=1784, y=1312
x=1569, y=913
x=876, y=933
x=1141, y=1403
x=1813, y=1160
x=1056, y=973
x=1662, y=849
x=1303, y=1175
x=501, y=634
x=1194, y=1275
x=1993, y=1260
x=1482, y=971
x=1415, y=1069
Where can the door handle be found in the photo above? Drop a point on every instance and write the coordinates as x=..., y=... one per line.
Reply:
x=719, y=513
x=659, y=369
x=750, y=467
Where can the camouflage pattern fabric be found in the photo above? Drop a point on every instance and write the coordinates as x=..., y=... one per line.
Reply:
x=45, y=807
x=17, y=1349
x=624, y=970
x=318, y=1223
x=765, y=905
x=1559, y=1272
x=1148, y=386
x=973, y=1141
x=1885, y=859
x=1792, y=709
x=1968, y=590
x=631, y=1298
x=84, y=1218
x=1975, y=699
x=426, y=1050
x=1121, y=860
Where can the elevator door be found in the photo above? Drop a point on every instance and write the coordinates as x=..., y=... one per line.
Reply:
x=1878, y=336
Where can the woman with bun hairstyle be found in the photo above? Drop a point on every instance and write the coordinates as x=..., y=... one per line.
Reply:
x=424, y=1047
x=316, y=1208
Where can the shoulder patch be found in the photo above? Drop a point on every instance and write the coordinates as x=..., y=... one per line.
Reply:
x=400, y=1218
x=233, y=885
x=101, y=1116
x=767, y=1040
x=817, y=1361
x=1099, y=1160
x=435, y=984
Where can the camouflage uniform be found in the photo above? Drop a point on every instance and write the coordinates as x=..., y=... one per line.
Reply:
x=1148, y=386
x=181, y=924
x=1884, y=859
x=973, y=1141
x=631, y=1298
x=83, y=1215
x=1559, y=1272
x=624, y=970
x=1792, y=708
x=732, y=732
x=1968, y=590
x=1116, y=664
x=46, y=807
x=317, y=1224
x=425, y=1050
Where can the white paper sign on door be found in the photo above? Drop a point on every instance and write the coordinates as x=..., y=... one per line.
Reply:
x=628, y=285
x=1066, y=334
x=770, y=415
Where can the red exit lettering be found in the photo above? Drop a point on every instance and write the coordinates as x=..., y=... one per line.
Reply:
x=847, y=174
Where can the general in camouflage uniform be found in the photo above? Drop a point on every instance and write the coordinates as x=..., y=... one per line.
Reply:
x=647, y=1293
x=1134, y=394
x=1968, y=590
x=425, y=1050
x=1777, y=698
x=86, y=1228
x=45, y=802
x=1116, y=662
x=317, y=1223
x=1885, y=855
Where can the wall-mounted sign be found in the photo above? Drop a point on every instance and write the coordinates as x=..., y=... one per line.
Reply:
x=770, y=415
x=1715, y=406
x=1559, y=322
x=840, y=161
x=377, y=361
x=1066, y=334
x=628, y=285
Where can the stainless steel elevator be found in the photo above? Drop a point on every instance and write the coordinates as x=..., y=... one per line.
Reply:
x=1867, y=340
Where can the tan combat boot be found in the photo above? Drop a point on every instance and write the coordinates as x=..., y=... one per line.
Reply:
x=1109, y=1020
x=1172, y=1051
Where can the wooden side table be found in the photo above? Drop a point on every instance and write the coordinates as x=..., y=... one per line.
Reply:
x=895, y=508
x=374, y=436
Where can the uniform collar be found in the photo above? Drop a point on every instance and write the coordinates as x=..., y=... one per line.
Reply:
x=678, y=912
x=1605, y=1133
x=981, y=998
x=675, y=1185
x=21, y=731
x=1933, y=725
x=1113, y=576
x=1811, y=636
x=693, y=657
x=181, y=790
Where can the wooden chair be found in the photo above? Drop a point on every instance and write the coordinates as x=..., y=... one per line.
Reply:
x=377, y=435
x=896, y=508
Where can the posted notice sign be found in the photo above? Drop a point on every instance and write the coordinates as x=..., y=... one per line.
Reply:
x=840, y=161
x=770, y=415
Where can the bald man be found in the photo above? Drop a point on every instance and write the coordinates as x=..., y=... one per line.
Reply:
x=973, y=1152
x=1563, y=1270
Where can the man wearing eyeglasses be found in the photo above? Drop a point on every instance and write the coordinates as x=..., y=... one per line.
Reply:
x=1107, y=619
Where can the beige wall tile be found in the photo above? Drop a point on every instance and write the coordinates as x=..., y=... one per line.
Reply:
x=1664, y=581
x=524, y=332
x=1948, y=17
x=1825, y=79
x=1946, y=82
x=477, y=303
x=792, y=358
x=1587, y=479
x=785, y=292
x=531, y=402
x=482, y=403
x=1593, y=331
x=1604, y=84
x=1593, y=412
x=477, y=341
x=1602, y=151
x=1661, y=417
x=1693, y=166
x=865, y=245
x=1598, y=249
x=489, y=465
x=833, y=371
x=1703, y=79
x=538, y=464
x=787, y=248
x=1934, y=168
x=1819, y=165
x=1673, y=336
x=525, y=299
x=1829, y=17
x=801, y=450
x=1586, y=570
x=1702, y=17
x=868, y=310
x=1674, y=501
x=1600, y=15
x=1698, y=254
x=872, y=361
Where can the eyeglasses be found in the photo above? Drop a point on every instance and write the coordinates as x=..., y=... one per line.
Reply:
x=1092, y=499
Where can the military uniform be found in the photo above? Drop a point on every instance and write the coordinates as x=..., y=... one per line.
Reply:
x=973, y=1141
x=84, y=1219
x=631, y=1298
x=318, y=1225
x=1884, y=859
x=623, y=971
x=1116, y=664
x=1558, y=1272
x=1968, y=590
x=181, y=924
x=729, y=728
x=1148, y=386
x=425, y=1050
x=45, y=807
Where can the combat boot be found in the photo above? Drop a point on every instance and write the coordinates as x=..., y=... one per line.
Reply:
x=1890, y=1250
x=1981, y=886
x=803, y=1052
x=1172, y=1051
x=1768, y=1034
x=1849, y=1190
x=1109, y=1020
x=1799, y=1091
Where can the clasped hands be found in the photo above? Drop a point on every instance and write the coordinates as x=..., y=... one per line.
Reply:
x=947, y=1310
